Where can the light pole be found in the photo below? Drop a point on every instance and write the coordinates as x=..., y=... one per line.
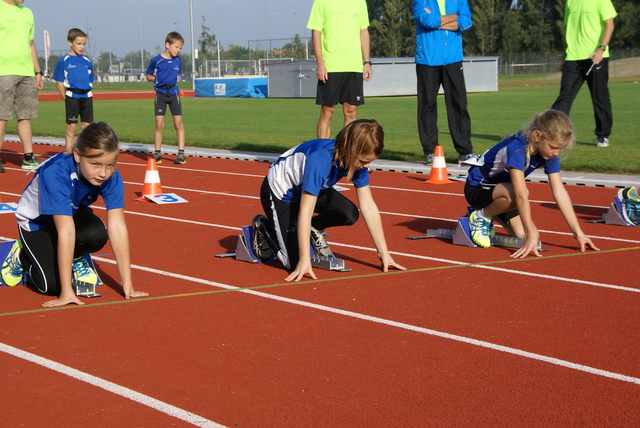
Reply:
x=193, y=51
x=141, y=49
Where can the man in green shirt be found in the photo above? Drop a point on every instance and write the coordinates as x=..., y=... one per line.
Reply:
x=589, y=28
x=340, y=35
x=20, y=75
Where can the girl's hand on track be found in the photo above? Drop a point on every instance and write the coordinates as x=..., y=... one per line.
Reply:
x=529, y=246
x=303, y=267
x=136, y=294
x=585, y=241
x=62, y=301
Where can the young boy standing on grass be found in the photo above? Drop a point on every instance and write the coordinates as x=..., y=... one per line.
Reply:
x=164, y=71
x=74, y=77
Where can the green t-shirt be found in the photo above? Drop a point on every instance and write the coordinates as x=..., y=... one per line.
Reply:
x=340, y=22
x=16, y=31
x=584, y=20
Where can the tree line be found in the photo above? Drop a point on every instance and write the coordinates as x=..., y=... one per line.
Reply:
x=499, y=27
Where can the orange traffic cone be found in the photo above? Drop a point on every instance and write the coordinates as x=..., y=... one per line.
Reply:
x=438, y=174
x=151, y=180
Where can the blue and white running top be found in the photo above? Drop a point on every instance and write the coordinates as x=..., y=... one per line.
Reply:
x=509, y=153
x=57, y=189
x=309, y=167
x=75, y=72
x=167, y=73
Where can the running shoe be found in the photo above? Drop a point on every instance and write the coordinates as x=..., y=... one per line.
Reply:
x=480, y=229
x=12, y=271
x=2, y=169
x=157, y=157
x=429, y=160
x=467, y=160
x=260, y=238
x=180, y=159
x=630, y=203
x=320, y=246
x=82, y=272
x=30, y=163
x=603, y=142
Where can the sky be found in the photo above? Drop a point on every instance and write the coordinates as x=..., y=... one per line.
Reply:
x=117, y=25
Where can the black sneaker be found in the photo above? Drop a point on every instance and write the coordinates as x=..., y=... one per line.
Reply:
x=260, y=238
x=320, y=246
x=180, y=159
x=157, y=157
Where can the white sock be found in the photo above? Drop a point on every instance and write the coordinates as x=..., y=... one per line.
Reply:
x=480, y=213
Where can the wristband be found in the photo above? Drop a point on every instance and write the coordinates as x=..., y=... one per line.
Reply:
x=38, y=72
x=367, y=62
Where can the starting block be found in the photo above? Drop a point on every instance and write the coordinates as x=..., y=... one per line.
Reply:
x=86, y=289
x=245, y=253
x=462, y=236
x=82, y=289
x=613, y=216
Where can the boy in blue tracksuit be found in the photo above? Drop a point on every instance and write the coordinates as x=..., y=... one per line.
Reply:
x=74, y=77
x=438, y=56
x=164, y=71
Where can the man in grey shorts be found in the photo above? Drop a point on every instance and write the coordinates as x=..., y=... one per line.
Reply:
x=20, y=75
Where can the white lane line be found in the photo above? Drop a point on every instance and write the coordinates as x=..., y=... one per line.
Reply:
x=427, y=331
x=122, y=391
x=490, y=267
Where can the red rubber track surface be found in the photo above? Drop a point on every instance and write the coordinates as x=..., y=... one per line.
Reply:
x=467, y=336
x=112, y=95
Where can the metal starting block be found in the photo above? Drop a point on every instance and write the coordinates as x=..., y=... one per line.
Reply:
x=328, y=263
x=86, y=289
x=245, y=253
x=462, y=236
x=613, y=216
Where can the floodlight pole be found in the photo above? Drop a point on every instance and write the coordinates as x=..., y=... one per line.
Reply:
x=193, y=50
x=141, y=48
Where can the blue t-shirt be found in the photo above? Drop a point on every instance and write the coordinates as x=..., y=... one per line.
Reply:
x=76, y=72
x=509, y=153
x=167, y=73
x=57, y=189
x=309, y=167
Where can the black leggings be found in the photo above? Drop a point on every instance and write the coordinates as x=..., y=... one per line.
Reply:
x=40, y=253
x=333, y=209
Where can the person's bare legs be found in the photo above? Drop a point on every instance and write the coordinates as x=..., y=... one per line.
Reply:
x=157, y=132
x=26, y=137
x=503, y=201
x=324, y=122
x=179, y=125
x=70, y=135
x=350, y=113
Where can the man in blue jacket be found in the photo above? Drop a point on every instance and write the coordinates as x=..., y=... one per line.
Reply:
x=439, y=26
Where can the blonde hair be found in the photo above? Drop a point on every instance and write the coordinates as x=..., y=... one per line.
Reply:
x=98, y=137
x=552, y=125
x=359, y=138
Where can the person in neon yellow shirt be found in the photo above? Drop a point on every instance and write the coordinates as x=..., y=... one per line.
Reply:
x=340, y=35
x=18, y=66
x=589, y=29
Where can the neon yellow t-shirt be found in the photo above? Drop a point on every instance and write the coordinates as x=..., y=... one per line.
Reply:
x=16, y=31
x=584, y=20
x=340, y=22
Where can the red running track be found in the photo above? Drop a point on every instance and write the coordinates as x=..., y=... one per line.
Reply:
x=465, y=337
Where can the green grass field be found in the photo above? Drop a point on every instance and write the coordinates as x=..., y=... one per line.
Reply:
x=274, y=125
